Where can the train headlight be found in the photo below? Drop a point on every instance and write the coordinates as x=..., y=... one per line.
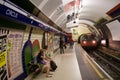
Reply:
x=93, y=41
x=103, y=42
x=84, y=42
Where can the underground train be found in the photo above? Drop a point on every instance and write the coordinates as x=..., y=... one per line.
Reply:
x=88, y=41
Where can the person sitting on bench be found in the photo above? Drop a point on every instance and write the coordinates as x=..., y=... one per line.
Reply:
x=41, y=58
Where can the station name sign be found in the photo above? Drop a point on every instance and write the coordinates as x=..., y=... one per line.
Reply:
x=10, y=13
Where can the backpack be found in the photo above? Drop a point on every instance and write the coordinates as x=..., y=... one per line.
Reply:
x=53, y=65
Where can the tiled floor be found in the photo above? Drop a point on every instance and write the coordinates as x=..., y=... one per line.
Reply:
x=67, y=67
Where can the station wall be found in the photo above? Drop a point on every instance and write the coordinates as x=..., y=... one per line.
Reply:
x=19, y=44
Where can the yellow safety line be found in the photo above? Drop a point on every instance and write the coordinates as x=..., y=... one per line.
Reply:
x=97, y=71
x=100, y=75
x=105, y=79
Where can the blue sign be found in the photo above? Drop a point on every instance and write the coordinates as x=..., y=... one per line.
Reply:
x=8, y=12
x=5, y=11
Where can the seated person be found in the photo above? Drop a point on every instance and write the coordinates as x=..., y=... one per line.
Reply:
x=48, y=55
x=41, y=58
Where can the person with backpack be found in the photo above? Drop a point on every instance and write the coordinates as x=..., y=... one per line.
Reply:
x=49, y=58
x=41, y=58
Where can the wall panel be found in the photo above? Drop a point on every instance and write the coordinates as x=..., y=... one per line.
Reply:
x=36, y=39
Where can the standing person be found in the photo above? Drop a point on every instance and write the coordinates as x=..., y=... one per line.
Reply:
x=41, y=58
x=71, y=43
x=61, y=45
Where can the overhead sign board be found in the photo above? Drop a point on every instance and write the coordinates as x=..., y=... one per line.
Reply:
x=10, y=13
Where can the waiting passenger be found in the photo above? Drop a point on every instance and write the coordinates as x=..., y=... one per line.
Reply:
x=47, y=53
x=61, y=45
x=41, y=58
x=53, y=65
x=71, y=43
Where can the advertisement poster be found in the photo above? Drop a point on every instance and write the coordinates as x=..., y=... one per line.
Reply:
x=46, y=38
x=14, y=62
x=75, y=34
x=114, y=27
x=50, y=42
x=3, y=46
x=56, y=42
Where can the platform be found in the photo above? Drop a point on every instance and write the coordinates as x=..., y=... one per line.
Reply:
x=74, y=64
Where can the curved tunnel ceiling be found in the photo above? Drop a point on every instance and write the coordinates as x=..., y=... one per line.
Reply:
x=57, y=10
